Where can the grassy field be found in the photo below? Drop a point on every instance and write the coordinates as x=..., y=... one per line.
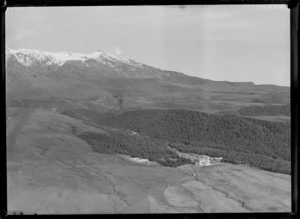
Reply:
x=50, y=171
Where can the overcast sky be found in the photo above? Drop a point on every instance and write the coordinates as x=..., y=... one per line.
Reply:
x=227, y=42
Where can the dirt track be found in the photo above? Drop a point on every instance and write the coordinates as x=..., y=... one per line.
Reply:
x=51, y=171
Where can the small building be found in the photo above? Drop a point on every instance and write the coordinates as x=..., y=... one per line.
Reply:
x=217, y=159
x=139, y=160
x=203, y=161
x=133, y=133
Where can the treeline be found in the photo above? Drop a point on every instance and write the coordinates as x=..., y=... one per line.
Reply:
x=259, y=143
x=236, y=157
x=135, y=146
x=266, y=110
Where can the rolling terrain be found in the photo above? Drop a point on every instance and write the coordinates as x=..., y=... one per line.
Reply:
x=51, y=171
x=75, y=120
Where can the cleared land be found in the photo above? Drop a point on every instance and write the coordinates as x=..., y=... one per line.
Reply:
x=52, y=171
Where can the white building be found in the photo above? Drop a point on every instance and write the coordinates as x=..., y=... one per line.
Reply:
x=203, y=161
x=218, y=159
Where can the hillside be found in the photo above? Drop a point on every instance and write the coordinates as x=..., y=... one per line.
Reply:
x=270, y=110
x=258, y=143
x=52, y=171
x=101, y=88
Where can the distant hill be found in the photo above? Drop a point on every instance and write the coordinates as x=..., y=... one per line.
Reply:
x=270, y=110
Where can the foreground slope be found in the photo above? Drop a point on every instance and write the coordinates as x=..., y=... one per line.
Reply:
x=52, y=171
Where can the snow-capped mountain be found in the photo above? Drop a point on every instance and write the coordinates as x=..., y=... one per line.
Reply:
x=93, y=66
x=28, y=57
x=32, y=74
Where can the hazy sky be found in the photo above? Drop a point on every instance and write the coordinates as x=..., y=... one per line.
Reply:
x=227, y=42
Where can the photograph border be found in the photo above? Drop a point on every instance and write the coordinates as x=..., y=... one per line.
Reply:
x=293, y=5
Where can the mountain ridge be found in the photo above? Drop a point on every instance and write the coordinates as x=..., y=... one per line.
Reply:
x=60, y=58
x=27, y=57
x=36, y=75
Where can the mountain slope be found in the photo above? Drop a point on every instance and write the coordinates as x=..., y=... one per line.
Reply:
x=39, y=75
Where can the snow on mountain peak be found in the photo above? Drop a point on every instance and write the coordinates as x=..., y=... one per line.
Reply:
x=29, y=56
